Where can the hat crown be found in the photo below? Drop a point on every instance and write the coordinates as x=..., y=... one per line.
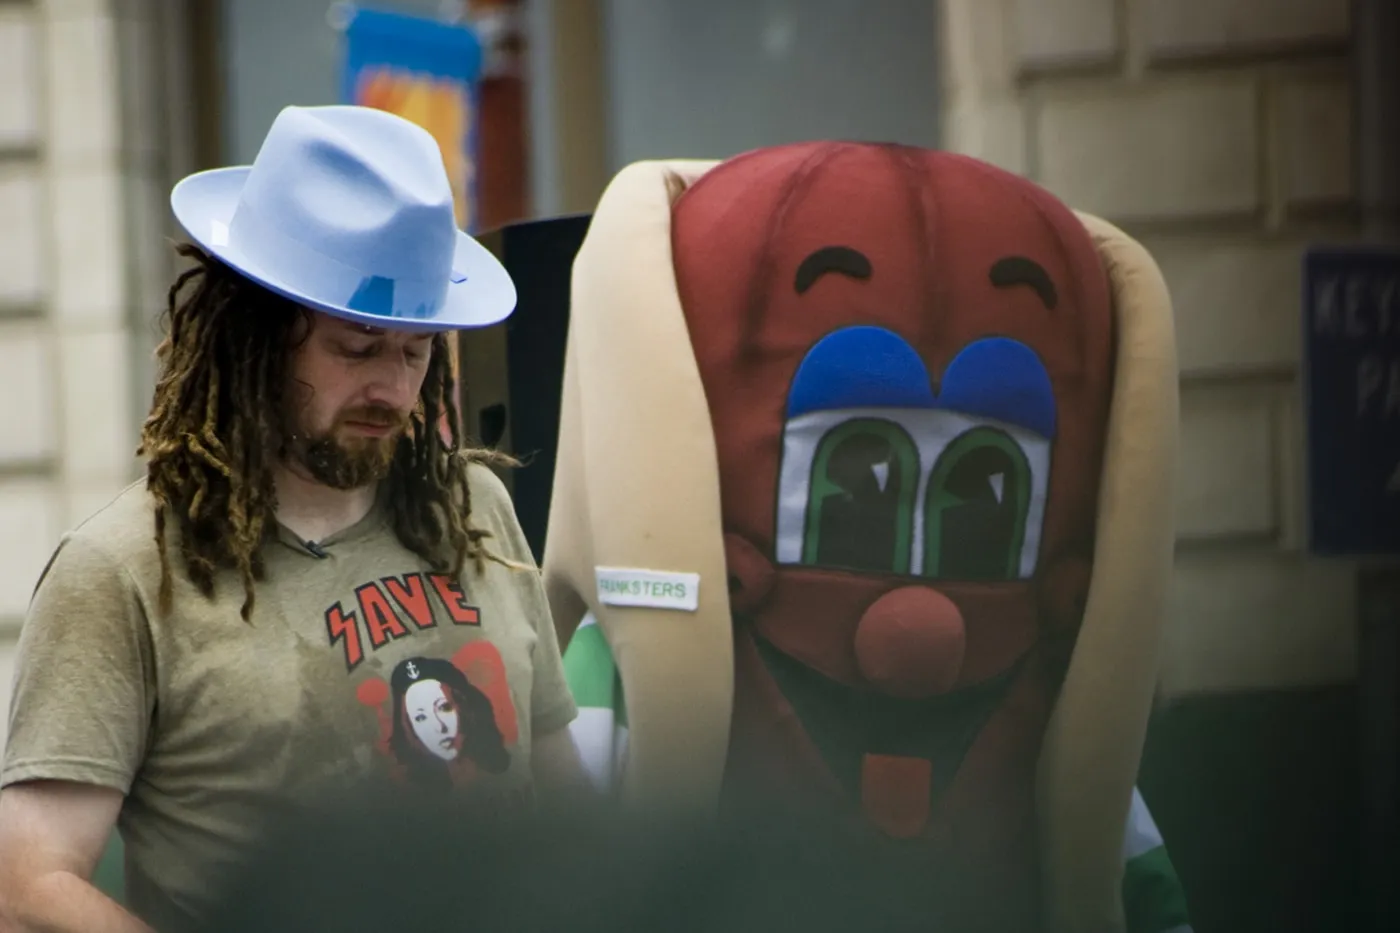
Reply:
x=349, y=210
x=363, y=187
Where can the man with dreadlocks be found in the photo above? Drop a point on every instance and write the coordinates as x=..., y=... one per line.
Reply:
x=315, y=583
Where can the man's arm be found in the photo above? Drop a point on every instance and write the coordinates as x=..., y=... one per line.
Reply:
x=52, y=834
x=558, y=770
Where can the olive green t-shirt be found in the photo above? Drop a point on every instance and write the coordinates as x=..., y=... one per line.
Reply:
x=359, y=664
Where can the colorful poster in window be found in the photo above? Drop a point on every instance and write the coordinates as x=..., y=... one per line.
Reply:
x=425, y=71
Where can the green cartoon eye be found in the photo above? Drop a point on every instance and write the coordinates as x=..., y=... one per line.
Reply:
x=860, y=513
x=975, y=513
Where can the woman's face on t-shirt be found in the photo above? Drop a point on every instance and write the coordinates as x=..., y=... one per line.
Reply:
x=432, y=712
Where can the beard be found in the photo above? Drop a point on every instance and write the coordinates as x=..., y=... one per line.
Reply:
x=342, y=459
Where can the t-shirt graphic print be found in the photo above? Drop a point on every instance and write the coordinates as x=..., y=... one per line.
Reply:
x=442, y=721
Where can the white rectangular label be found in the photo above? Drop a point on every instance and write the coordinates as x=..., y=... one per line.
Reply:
x=653, y=589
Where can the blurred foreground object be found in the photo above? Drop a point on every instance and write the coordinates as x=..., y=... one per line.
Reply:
x=364, y=864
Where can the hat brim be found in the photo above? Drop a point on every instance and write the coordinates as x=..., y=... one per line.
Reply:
x=204, y=204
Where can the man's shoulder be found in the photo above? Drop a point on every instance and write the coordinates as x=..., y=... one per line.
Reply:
x=487, y=487
x=114, y=543
x=123, y=529
x=493, y=511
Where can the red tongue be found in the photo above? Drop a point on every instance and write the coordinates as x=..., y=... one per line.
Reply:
x=894, y=793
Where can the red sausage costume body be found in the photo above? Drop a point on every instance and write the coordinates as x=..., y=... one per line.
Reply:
x=919, y=432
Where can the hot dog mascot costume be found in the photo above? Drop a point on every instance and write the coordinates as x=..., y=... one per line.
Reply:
x=863, y=501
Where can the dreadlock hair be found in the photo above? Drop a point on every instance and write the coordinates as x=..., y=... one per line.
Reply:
x=216, y=430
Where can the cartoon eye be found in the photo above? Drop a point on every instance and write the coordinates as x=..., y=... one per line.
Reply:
x=881, y=475
x=975, y=512
x=860, y=508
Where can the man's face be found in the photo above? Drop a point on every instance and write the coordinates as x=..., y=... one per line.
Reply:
x=352, y=390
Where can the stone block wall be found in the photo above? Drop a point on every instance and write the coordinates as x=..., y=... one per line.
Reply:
x=1219, y=133
x=85, y=155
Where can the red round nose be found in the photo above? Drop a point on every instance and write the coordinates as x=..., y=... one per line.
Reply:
x=910, y=643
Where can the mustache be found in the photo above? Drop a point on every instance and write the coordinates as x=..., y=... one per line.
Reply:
x=379, y=416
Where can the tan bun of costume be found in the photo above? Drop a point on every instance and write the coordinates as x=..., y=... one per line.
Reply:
x=636, y=486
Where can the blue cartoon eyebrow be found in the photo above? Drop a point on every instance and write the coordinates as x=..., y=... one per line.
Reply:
x=1001, y=378
x=871, y=367
x=860, y=367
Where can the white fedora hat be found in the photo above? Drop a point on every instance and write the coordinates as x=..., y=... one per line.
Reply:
x=348, y=210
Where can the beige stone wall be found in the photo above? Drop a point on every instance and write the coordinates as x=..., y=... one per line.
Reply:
x=85, y=153
x=1218, y=132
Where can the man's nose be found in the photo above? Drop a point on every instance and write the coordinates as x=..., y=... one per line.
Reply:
x=394, y=385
